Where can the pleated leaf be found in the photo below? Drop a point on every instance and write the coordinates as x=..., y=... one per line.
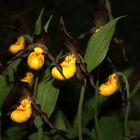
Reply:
x=47, y=95
x=98, y=45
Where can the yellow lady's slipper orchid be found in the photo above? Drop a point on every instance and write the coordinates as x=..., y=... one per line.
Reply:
x=98, y=29
x=29, y=77
x=68, y=68
x=36, y=59
x=110, y=87
x=23, y=112
x=18, y=45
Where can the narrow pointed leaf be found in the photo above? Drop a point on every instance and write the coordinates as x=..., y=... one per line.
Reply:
x=38, y=23
x=47, y=24
x=47, y=95
x=98, y=45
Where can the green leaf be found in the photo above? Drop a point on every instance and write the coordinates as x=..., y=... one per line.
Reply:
x=108, y=7
x=128, y=71
x=61, y=122
x=134, y=124
x=47, y=24
x=135, y=89
x=11, y=68
x=4, y=89
x=50, y=135
x=35, y=135
x=16, y=132
x=39, y=123
x=47, y=95
x=98, y=45
x=111, y=127
x=38, y=24
x=28, y=38
x=89, y=108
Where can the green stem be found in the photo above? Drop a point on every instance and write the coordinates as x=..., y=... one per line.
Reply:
x=108, y=7
x=127, y=108
x=0, y=132
x=39, y=125
x=96, y=114
x=79, y=113
x=40, y=133
x=126, y=129
x=35, y=86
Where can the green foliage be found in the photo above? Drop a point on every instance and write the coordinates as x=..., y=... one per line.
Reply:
x=47, y=24
x=98, y=45
x=12, y=68
x=89, y=108
x=111, y=127
x=16, y=132
x=38, y=24
x=61, y=122
x=135, y=89
x=4, y=89
x=35, y=135
x=47, y=95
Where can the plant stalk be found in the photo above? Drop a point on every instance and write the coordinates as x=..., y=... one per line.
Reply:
x=127, y=108
x=79, y=113
x=35, y=86
x=97, y=127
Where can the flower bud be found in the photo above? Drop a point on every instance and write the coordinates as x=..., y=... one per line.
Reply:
x=110, y=87
x=23, y=112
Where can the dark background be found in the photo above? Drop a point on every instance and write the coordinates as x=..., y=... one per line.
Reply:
x=78, y=16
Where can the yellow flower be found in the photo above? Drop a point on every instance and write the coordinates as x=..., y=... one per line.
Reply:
x=97, y=30
x=18, y=45
x=29, y=77
x=110, y=87
x=36, y=59
x=23, y=112
x=68, y=68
